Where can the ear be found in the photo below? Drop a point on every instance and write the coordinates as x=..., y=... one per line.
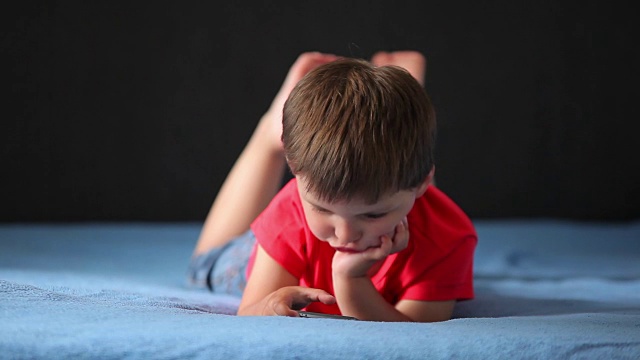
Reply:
x=429, y=180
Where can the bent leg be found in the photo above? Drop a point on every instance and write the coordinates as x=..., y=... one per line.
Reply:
x=257, y=174
x=412, y=61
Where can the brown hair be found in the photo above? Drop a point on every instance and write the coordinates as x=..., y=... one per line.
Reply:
x=355, y=130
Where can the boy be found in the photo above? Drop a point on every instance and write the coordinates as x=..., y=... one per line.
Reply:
x=360, y=230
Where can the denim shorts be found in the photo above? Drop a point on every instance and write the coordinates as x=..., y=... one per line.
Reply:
x=223, y=270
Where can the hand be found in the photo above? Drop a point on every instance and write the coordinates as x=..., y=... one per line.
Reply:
x=359, y=264
x=285, y=301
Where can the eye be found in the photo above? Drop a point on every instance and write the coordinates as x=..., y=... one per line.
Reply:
x=320, y=210
x=375, y=216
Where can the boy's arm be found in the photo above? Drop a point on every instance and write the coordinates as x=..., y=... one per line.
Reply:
x=427, y=311
x=272, y=290
x=359, y=298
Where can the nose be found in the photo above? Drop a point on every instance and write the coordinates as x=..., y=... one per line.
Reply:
x=346, y=232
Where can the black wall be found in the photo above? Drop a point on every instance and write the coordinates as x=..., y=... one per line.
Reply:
x=123, y=111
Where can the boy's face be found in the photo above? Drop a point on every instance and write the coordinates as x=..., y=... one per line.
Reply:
x=354, y=226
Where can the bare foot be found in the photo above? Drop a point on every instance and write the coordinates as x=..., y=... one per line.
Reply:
x=271, y=122
x=413, y=61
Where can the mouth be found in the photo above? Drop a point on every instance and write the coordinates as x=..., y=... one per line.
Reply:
x=347, y=250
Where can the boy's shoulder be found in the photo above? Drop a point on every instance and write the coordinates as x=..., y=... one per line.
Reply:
x=288, y=193
x=438, y=218
x=285, y=207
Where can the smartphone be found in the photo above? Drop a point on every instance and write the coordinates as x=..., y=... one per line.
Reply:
x=309, y=314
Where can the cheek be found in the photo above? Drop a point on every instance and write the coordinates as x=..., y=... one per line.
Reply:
x=319, y=227
x=376, y=230
x=385, y=227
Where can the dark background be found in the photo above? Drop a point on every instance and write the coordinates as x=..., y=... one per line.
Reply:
x=117, y=111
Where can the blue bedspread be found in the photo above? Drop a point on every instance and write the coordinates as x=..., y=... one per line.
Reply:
x=544, y=289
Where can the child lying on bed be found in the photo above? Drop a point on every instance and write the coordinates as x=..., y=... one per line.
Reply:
x=360, y=230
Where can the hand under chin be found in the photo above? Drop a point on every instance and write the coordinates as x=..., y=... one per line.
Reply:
x=357, y=264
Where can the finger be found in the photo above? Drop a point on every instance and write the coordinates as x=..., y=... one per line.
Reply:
x=403, y=226
x=401, y=237
x=378, y=253
x=281, y=309
x=327, y=299
x=387, y=242
x=312, y=294
x=401, y=230
x=303, y=296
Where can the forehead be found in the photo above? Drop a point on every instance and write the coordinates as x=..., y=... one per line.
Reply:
x=387, y=200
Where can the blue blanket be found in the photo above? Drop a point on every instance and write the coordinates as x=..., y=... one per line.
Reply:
x=544, y=289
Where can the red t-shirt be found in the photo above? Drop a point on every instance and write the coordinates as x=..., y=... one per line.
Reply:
x=437, y=264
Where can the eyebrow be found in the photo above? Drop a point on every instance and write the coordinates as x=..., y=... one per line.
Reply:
x=318, y=207
x=372, y=212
